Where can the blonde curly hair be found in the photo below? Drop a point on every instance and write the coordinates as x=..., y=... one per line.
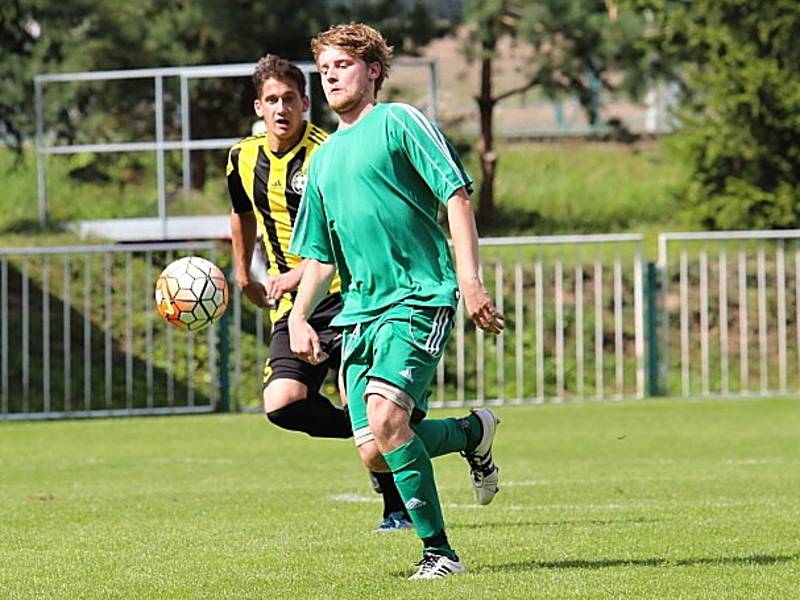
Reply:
x=359, y=40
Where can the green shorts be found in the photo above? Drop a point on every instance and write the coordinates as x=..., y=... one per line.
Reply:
x=394, y=355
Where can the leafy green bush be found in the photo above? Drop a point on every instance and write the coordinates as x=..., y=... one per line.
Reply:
x=739, y=65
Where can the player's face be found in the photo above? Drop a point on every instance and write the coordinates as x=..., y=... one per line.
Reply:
x=348, y=82
x=281, y=106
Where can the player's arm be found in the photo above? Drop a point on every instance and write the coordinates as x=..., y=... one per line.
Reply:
x=314, y=285
x=278, y=285
x=244, y=232
x=243, y=238
x=310, y=239
x=464, y=234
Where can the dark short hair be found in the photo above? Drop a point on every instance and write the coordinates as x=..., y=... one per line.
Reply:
x=270, y=66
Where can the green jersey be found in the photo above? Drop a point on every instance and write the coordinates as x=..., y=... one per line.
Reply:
x=370, y=206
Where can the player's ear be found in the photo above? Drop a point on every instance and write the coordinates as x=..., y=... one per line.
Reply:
x=306, y=103
x=374, y=70
x=257, y=107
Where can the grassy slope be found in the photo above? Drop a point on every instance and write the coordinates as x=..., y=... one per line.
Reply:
x=656, y=499
x=127, y=193
x=585, y=188
x=541, y=189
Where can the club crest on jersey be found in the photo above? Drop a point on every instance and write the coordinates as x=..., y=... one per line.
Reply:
x=298, y=182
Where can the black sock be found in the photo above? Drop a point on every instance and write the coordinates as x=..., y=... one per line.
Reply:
x=392, y=502
x=315, y=416
x=436, y=541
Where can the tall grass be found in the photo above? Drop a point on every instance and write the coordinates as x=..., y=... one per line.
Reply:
x=540, y=188
x=584, y=188
x=78, y=188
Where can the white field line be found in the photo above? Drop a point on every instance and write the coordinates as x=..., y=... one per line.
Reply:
x=190, y=460
x=771, y=460
x=359, y=499
x=632, y=479
x=641, y=504
x=98, y=460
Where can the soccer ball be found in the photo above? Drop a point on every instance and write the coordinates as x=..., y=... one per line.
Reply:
x=191, y=293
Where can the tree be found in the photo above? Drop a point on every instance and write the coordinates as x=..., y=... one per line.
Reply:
x=738, y=64
x=29, y=47
x=577, y=47
x=86, y=35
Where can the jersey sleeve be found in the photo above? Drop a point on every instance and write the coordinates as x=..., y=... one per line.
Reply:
x=310, y=238
x=239, y=199
x=431, y=154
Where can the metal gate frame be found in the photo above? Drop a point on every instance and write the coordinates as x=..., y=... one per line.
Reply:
x=160, y=144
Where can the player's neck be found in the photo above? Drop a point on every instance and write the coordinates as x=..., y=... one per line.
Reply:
x=357, y=113
x=278, y=145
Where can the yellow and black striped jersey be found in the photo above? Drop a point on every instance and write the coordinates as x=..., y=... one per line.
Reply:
x=271, y=185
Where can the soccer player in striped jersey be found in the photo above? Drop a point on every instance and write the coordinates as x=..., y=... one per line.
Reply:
x=369, y=210
x=266, y=176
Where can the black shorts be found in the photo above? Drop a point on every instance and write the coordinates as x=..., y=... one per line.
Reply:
x=283, y=364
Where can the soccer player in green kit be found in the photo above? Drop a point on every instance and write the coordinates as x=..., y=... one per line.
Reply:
x=369, y=210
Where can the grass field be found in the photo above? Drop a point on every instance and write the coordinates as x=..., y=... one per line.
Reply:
x=651, y=499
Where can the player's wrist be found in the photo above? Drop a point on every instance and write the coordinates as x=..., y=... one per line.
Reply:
x=470, y=280
x=244, y=282
x=296, y=318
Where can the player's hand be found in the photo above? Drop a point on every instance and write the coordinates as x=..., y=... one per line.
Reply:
x=480, y=307
x=278, y=285
x=257, y=294
x=304, y=342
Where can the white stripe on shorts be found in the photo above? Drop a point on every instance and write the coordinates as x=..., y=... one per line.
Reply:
x=437, y=331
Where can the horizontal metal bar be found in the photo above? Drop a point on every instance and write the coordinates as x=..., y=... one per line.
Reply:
x=232, y=70
x=770, y=234
x=113, y=412
x=20, y=251
x=563, y=239
x=196, y=71
x=207, y=144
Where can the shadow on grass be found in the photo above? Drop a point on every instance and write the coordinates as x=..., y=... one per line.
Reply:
x=518, y=221
x=30, y=226
x=529, y=565
x=522, y=221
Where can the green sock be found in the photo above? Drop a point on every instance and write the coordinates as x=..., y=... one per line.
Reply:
x=442, y=436
x=413, y=474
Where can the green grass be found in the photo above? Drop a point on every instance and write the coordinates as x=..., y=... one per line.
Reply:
x=652, y=499
x=123, y=186
x=585, y=188
x=540, y=188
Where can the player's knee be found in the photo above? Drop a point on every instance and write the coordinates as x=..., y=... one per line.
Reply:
x=371, y=457
x=276, y=396
x=389, y=424
x=381, y=430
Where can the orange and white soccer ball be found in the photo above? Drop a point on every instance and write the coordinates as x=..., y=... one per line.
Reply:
x=191, y=293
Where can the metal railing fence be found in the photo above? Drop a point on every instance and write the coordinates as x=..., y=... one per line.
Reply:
x=730, y=312
x=79, y=334
x=574, y=324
